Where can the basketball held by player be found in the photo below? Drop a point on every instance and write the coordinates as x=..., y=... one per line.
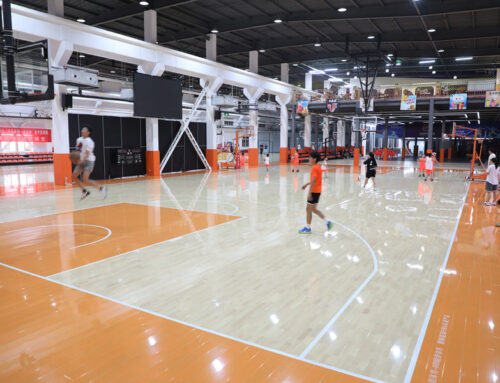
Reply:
x=315, y=187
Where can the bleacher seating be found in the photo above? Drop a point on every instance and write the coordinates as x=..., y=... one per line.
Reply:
x=25, y=158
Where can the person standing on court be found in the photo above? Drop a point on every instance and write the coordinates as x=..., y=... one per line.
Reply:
x=371, y=172
x=314, y=194
x=85, y=145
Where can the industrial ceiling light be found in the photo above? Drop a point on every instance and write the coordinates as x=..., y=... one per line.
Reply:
x=392, y=75
x=390, y=55
x=432, y=30
x=464, y=58
x=433, y=72
x=262, y=50
x=455, y=77
x=348, y=73
x=331, y=69
x=430, y=67
x=342, y=9
x=387, y=71
x=440, y=50
x=371, y=37
x=317, y=44
x=214, y=30
x=80, y=20
x=144, y=3
x=295, y=64
x=81, y=56
x=112, y=71
x=427, y=61
x=278, y=20
x=344, y=60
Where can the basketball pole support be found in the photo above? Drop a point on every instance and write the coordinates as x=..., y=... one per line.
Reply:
x=185, y=128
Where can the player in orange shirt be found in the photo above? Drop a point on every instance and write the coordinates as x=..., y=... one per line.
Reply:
x=421, y=166
x=314, y=194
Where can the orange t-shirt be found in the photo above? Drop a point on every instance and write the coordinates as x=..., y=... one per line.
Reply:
x=296, y=160
x=316, y=172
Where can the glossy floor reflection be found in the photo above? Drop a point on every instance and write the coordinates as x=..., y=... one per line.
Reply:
x=354, y=299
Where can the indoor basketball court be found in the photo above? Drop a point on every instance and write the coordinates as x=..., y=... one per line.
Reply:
x=160, y=163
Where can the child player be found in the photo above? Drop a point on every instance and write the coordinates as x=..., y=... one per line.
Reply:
x=314, y=194
x=421, y=166
x=267, y=162
x=429, y=166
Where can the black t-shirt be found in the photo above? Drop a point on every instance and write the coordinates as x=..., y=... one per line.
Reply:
x=371, y=164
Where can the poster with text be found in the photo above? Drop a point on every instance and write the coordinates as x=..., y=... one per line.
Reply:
x=331, y=105
x=492, y=100
x=458, y=101
x=303, y=107
x=408, y=100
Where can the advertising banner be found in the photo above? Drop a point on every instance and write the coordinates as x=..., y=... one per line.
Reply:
x=408, y=100
x=492, y=100
x=303, y=107
x=331, y=105
x=458, y=101
x=25, y=135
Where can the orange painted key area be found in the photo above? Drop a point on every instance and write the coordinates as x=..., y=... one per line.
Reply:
x=52, y=333
x=55, y=243
x=462, y=342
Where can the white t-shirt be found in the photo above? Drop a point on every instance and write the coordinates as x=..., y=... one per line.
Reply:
x=492, y=177
x=492, y=155
x=429, y=163
x=267, y=160
x=86, y=145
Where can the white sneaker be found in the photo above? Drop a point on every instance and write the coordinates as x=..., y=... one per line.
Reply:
x=104, y=191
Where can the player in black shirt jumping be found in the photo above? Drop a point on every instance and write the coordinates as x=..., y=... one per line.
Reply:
x=371, y=164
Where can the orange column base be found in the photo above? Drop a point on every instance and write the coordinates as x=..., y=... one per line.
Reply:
x=283, y=155
x=356, y=157
x=403, y=154
x=211, y=155
x=386, y=154
x=441, y=155
x=449, y=153
x=62, y=169
x=253, y=157
x=153, y=163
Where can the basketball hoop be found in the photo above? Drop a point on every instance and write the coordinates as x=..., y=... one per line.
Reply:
x=363, y=134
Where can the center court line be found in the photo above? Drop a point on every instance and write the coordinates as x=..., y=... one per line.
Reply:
x=145, y=247
x=353, y=296
x=48, y=279
x=423, y=330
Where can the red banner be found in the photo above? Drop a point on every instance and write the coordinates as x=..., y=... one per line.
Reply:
x=25, y=135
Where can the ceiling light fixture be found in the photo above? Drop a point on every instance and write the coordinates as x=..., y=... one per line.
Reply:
x=82, y=56
x=331, y=70
x=317, y=44
x=295, y=64
x=342, y=9
x=433, y=72
x=464, y=58
x=348, y=73
x=80, y=20
x=427, y=61
x=432, y=30
x=387, y=71
x=392, y=75
x=112, y=71
x=371, y=37
x=455, y=77
x=278, y=20
x=390, y=55
x=262, y=50
x=440, y=50
x=214, y=30
x=344, y=60
x=143, y=3
x=430, y=67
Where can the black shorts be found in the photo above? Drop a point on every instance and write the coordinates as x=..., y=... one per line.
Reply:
x=314, y=198
x=491, y=187
x=371, y=173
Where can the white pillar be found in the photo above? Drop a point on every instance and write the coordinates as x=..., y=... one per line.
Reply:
x=307, y=119
x=211, y=124
x=55, y=7
x=152, y=134
x=150, y=26
x=211, y=47
x=285, y=70
x=340, y=133
x=60, y=125
x=283, y=126
x=308, y=84
x=326, y=129
x=253, y=61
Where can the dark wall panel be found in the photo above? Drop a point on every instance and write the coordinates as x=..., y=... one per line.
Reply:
x=112, y=133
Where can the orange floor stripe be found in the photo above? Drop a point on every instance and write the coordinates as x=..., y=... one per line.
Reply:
x=462, y=342
x=53, y=333
x=55, y=243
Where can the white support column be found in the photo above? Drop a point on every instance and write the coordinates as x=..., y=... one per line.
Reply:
x=55, y=7
x=283, y=101
x=307, y=119
x=253, y=95
x=211, y=47
x=326, y=129
x=152, y=134
x=340, y=133
x=498, y=80
x=213, y=86
x=150, y=26
x=253, y=64
x=285, y=70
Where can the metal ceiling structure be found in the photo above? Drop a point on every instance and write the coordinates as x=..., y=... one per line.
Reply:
x=311, y=31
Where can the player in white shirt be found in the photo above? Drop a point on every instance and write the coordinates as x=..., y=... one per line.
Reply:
x=429, y=166
x=491, y=182
x=86, y=145
x=267, y=162
x=492, y=155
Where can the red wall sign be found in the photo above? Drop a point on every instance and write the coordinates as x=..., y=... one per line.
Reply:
x=25, y=135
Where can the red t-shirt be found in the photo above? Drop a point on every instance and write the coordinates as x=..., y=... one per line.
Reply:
x=316, y=172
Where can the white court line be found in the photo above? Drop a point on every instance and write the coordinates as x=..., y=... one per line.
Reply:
x=146, y=247
x=423, y=330
x=353, y=296
x=194, y=326
x=69, y=224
